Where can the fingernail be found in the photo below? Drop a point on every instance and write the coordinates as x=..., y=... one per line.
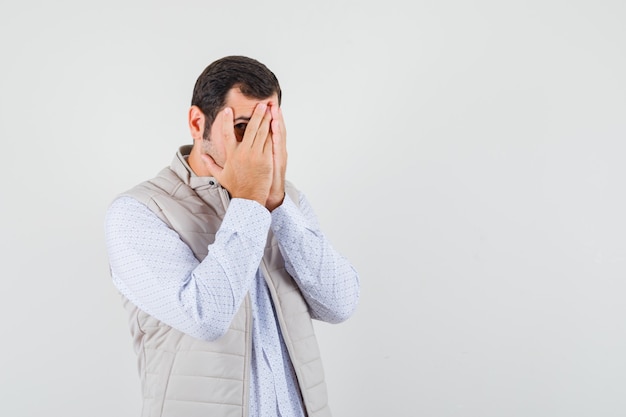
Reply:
x=227, y=110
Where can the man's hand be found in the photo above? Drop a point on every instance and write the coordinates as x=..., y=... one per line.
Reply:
x=248, y=166
x=279, y=153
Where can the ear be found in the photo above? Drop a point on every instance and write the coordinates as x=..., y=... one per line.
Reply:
x=196, y=123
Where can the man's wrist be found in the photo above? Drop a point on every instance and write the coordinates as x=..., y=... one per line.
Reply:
x=272, y=204
x=248, y=212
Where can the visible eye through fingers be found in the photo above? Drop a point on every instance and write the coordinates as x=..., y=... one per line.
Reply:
x=240, y=130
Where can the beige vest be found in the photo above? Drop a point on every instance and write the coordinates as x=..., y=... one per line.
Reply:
x=186, y=377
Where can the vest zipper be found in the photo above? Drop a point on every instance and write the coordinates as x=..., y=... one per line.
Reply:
x=224, y=197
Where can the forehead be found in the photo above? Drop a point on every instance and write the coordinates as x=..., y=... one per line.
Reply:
x=244, y=106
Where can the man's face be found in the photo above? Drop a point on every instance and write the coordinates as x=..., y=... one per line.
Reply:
x=242, y=111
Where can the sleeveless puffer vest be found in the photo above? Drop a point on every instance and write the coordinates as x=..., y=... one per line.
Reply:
x=183, y=376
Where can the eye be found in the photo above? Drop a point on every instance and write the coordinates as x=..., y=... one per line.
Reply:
x=240, y=129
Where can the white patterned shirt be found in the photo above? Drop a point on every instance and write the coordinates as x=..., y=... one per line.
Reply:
x=157, y=271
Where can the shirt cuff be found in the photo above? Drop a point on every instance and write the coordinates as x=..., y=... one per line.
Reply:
x=287, y=216
x=247, y=218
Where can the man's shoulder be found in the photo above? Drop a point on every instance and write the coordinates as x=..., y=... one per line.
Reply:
x=165, y=183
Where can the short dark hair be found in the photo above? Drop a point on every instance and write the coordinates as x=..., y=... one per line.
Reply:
x=253, y=78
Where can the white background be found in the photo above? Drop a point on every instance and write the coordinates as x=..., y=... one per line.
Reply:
x=467, y=156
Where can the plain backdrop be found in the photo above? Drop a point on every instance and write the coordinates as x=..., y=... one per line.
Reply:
x=466, y=156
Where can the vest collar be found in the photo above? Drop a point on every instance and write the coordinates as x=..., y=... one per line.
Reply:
x=185, y=173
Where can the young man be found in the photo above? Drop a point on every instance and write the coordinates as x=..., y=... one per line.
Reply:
x=221, y=263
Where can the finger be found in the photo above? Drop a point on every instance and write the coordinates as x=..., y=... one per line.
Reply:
x=278, y=131
x=213, y=167
x=263, y=133
x=253, y=124
x=268, y=145
x=228, y=129
x=278, y=122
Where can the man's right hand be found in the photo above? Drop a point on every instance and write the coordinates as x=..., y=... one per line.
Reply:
x=248, y=167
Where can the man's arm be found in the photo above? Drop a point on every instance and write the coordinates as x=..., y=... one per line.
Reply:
x=158, y=272
x=327, y=280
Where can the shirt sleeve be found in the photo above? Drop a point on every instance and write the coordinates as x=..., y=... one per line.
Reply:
x=159, y=273
x=328, y=282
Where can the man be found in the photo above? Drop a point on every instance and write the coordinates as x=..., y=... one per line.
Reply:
x=221, y=263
